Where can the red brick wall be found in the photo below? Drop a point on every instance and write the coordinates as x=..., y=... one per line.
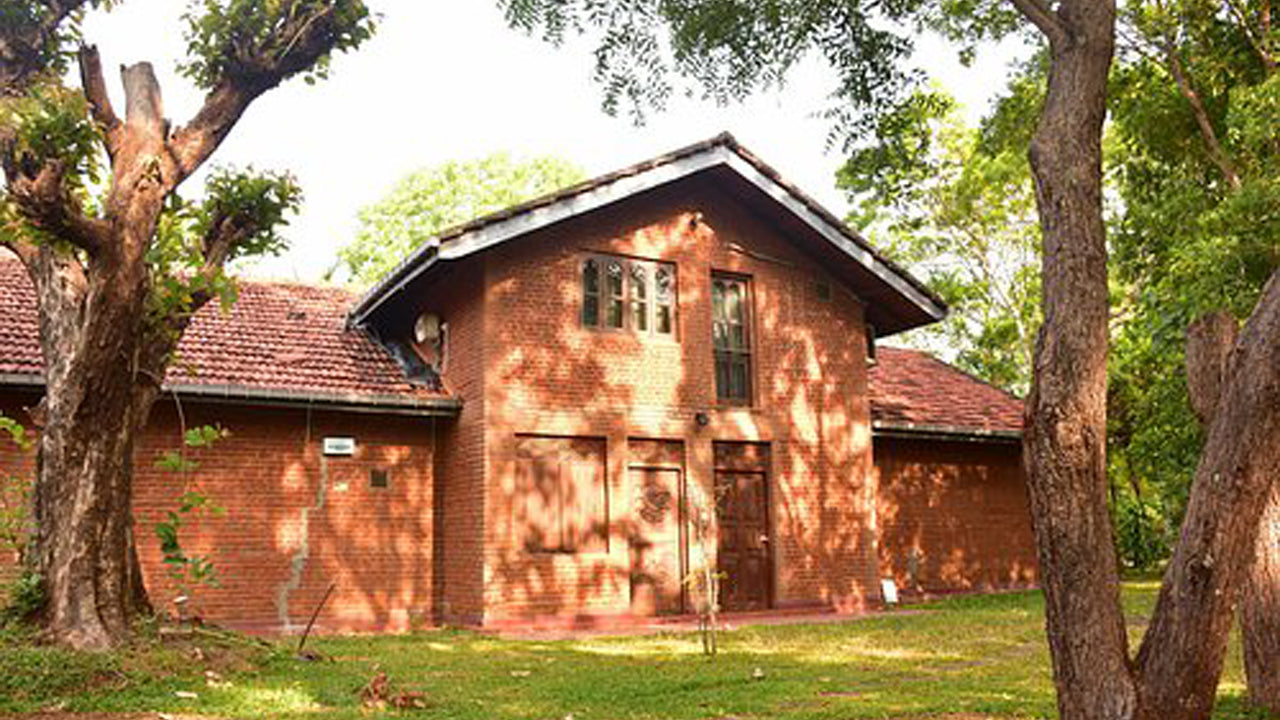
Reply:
x=460, y=463
x=953, y=516
x=295, y=521
x=548, y=375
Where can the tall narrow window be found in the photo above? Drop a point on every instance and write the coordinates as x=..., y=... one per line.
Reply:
x=664, y=299
x=730, y=337
x=590, y=293
x=613, y=283
x=639, y=297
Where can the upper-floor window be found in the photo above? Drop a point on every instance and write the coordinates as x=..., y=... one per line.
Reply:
x=627, y=294
x=731, y=337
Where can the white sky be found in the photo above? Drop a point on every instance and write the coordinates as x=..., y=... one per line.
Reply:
x=448, y=81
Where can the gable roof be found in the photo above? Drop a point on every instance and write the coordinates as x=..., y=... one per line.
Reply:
x=914, y=392
x=898, y=301
x=280, y=343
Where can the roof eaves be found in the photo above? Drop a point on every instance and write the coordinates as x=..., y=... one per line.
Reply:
x=722, y=149
x=945, y=432
x=351, y=402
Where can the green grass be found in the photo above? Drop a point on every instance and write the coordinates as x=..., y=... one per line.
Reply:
x=982, y=655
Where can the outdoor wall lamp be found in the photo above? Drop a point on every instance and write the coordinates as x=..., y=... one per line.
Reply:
x=702, y=419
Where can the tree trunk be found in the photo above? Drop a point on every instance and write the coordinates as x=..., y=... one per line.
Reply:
x=1260, y=611
x=1065, y=437
x=1235, y=388
x=1209, y=344
x=84, y=545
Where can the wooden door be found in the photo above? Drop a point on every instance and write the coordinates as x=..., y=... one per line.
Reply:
x=742, y=513
x=657, y=543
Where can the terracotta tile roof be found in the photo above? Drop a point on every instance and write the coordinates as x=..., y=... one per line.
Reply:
x=292, y=338
x=912, y=389
x=281, y=337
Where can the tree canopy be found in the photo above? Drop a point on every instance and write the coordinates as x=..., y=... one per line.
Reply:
x=434, y=198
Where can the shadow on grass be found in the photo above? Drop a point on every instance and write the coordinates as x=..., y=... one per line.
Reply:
x=976, y=656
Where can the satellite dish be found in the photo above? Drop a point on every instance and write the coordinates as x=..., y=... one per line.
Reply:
x=426, y=328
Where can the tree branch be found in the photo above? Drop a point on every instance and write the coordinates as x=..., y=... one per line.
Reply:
x=1043, y=17
x=1259, y=44
x=95, y=91
x=307, y=39
x=1209, y=343
x=1207, y=133
x=44, y=201
x=21, y=45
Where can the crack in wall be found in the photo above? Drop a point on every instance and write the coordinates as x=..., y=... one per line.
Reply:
x=298, y=563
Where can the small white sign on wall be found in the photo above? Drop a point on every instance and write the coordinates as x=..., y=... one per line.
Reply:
x=890, y=591
x=341, y=446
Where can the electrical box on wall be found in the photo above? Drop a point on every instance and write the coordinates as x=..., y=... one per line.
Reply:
x=340, y=446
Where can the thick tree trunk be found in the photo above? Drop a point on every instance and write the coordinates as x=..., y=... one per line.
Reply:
x=1260, y=611
x=84, y=547
x=1065, y=435
x=1234, y=385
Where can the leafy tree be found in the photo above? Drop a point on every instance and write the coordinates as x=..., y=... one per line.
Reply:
x=958, y=210
x=435, y=198
x=120, y=261
x=1197, y=165
x=731, y=47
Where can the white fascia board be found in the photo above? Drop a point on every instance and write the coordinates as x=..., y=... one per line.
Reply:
x=580, y=204
x=530, y=221
x=834, y=235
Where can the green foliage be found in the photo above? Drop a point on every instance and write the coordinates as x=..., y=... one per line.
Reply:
x=955, y=205
x=26, y=598
x=233, y=37
x=730, y=48
x=15, y=495
x=433, y=199
x=52, y=123
x=255, y=204
x=188, y=570
x=1184, y=241
x=1141, y=536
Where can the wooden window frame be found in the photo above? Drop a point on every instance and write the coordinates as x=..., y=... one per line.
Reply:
x=745, y=354
x=604, y=296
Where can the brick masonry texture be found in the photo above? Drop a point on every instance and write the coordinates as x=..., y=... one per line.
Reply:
x=953, y=516
x=443, y=542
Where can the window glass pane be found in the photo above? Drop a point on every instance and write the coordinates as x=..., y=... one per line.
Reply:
x=717, y=300
x=591, y=310
x=590, y=277
x=662, y=322
x=733, y=302
x=738, y=379
x=614, y=284
x=639, y=281
x=665, y=284
x=639, y=297
x=722, y=376
x=615, y=313
x=615, y=278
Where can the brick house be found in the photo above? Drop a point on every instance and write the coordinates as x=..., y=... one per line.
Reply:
x=554, y=413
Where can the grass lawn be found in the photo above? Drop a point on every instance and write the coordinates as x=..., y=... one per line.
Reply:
x=973, y=657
